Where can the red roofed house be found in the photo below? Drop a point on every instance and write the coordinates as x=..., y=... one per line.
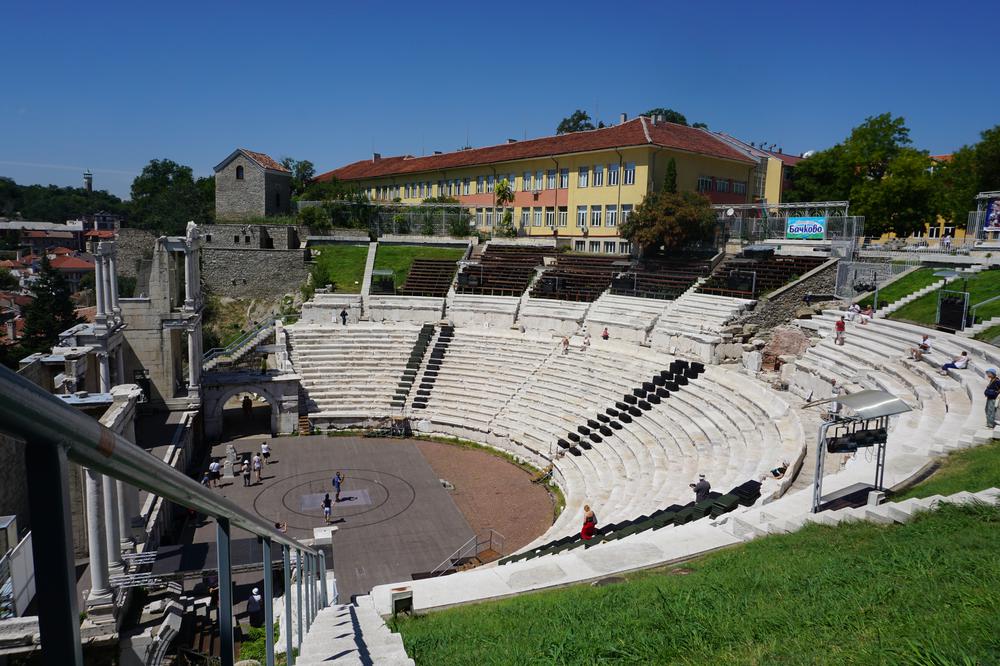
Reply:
x=73, y=269
x=249, y=185
x=582, y=185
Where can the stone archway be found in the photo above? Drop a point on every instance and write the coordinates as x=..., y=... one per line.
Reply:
x=281, y=393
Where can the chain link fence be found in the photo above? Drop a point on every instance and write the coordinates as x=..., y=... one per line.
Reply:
x=381, y=218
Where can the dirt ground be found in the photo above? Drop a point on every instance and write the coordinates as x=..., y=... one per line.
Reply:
x=492, y=493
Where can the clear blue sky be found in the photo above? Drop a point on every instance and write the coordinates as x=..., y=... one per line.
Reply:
x=111, y=85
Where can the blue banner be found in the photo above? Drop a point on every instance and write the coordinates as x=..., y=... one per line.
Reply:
x=805, y=228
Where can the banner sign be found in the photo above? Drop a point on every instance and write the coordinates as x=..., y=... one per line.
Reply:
x=805, y=228
x=992, y=221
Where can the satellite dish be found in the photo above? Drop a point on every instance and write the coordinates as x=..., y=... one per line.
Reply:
x=730, y=212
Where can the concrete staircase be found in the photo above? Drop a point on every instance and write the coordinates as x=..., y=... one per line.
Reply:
x=239, y=348
x=973, y=331
x=763, y=523
x=351, y=634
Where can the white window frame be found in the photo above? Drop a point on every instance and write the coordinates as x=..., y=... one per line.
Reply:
x=581, y=216
x=526, y=181
x=550, y=179
x=612, y=174
x=704, y=184
x=490, y=183
x=489, y=217
x=579, y=246
x=626, y=212
x=611, y=215
x=537, y=214
x=479, y=217
x=539, y=180
x=629, y=178
x=595, y=246
x=610, y=246
x=465, y=186
x=525, y=217
x=563, y=216
x=563, y=179
x=595, y=216
x=480, y=184
x=550, y=217
x=598, y=180
x=583, y=178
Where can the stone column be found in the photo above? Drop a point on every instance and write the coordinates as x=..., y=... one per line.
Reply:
x=109, y=295
x=99, y=284
x=102, y=359
x=120, y=364
x=194, y=362
x=130, y=523
x=112, y=531
x=189, y=276
x=100, y=590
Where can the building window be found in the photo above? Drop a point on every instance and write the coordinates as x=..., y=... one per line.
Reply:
x=525, y=217
x=721, y=185
x=630, y=173
x=246, y=239
x=455, y=187
x=704, y=184
x=595, y=246
x=580, y=246
x=934, y=232
x=465, y=186
x=490, y=183
x=538, y=216
x=582, y=181
x=598, y=175
x=611, y=215
x=563, y=216
x=581, y=216
x=489, y=217
x=550, y=179
x=550, y=217
x=625, y=248
x=563, y=179
x=479, y=217
x=626, y=211
x=739, y=187
x=239, y=173
x=479, y=185
x=609, y=246
x=208, y=238
x=539, y=179
x=236, y=239
x=595, y=216
x=612, y=174
x=526, y=181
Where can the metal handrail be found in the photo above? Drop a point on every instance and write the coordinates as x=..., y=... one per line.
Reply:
x=972, y=310
x=237, y=343
x=29, y=413
x=478, y=540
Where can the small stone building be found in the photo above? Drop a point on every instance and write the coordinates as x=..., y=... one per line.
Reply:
x=249, y=184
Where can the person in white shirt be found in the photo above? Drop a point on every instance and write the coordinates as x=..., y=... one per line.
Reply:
x=265, y=451
x=917, y=353
x=958, y=363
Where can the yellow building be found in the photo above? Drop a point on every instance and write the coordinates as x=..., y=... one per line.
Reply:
x=580, y=186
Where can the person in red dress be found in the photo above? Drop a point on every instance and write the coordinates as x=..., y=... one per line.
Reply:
x=589, y=524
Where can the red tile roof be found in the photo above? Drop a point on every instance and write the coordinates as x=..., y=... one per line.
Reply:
x=10, y=264
x=59, y=250
x=638, y=132
x=265, y=161
x=787, y=160
x=67, y=263
x=942, y=158
x=48, y=234
x=99, y=233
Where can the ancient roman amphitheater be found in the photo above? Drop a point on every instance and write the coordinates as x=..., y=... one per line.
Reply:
x=624, y=424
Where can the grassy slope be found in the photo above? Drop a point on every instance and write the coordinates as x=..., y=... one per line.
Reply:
x=399, y=258
x=343, y=265
x=904, y=286
x=981, y=286
x=989, y=334
x=923, y=593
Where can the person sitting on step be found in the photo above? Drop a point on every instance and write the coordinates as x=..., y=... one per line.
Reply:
x=960, y=362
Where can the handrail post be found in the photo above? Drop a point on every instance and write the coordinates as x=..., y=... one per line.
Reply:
x=307, y=583
x=226, y=652
x=299, y=571
x=286, y=556
x=268, y=603
x=323, y=600
x=52, y=552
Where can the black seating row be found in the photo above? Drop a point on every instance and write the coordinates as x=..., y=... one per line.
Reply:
x=745, y=494
x=501, y=271
x=445, y=336
x=429, y=277
x=746, y=277
x=413, y=365
x=575, y=277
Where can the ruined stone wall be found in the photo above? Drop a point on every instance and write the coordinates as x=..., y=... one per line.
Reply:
x=240, y=198
x=786, y=306
x=133, y=246
x=245, y=273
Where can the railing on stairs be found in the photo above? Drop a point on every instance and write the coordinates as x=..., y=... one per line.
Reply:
x=52, y=434
x=972, y=310
x=476, y=545
x=217, y=354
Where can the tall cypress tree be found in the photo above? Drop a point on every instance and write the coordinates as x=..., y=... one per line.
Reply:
x=51, y=312
x=670, y=180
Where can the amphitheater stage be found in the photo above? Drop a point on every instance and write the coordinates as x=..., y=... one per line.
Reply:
x=394, y=519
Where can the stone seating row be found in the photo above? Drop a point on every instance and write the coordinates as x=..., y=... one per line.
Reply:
x=627, y=318
x=412, y=309
x=554, y=316
x=478, y=310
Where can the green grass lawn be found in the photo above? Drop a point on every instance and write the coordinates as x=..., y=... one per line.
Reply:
x=989, y=334
x=981, y=287
x=904, y=286
x=927, y=592
x=399, y=258
x=341, y=265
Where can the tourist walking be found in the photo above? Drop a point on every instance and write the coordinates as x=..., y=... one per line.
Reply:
x=586, y=342
x=265, y=451
x=836, y=390
x=604, y=334
x=338, y=479
x=991, y=393
x=343, y=317
x=246, y=473
x=247, y=407
x=327, y=507
x=960, y=362
x=214, y=472
x=589, y=523
x=839, y=328
x=701, y=489
x=257, y=468
x=255, y=605
x=205, y=479
x=565, y=345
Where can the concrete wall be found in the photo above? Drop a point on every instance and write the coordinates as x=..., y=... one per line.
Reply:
x=14, y=482
x=252, y=274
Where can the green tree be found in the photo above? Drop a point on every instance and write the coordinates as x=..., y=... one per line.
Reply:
x=205, y=189
x=303, y=172
x=50, y=313
x=902, y=200
x=165, y=198
x=317, y=218
x=327, y=190
x=670, y=180
x=7, y=280
x=669, y=115
x=577, y=121
x=670, y=220
x=972, y=169
x=50, y=203
x=503, y=196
